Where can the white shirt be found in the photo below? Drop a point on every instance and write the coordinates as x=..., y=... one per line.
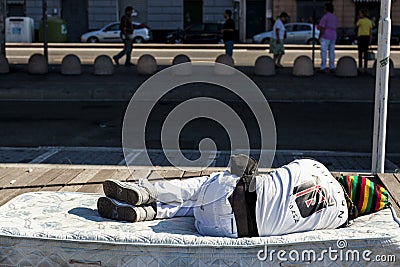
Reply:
x=278, y=25
x=301, y=196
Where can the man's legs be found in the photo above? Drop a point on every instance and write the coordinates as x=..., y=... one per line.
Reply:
x=324, y=47
x=137, y=201
x=331, y=54
x=127, y=50
x=229, y=48
x=176, y=198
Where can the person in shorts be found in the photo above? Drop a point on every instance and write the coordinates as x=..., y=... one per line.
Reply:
x=277, y=47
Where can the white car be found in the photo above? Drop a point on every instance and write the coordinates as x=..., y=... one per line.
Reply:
x=111, y=34
x=296, y=33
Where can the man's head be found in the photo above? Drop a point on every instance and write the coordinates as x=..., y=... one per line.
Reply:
x=227, y=14
x=129, y=10
x=363, y=13
x=329, y=7
x=284, y=16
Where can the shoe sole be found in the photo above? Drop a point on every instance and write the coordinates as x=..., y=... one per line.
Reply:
x=110, y=210
x=117, y=190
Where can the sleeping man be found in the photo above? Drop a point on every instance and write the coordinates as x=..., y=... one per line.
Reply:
x=301, y=196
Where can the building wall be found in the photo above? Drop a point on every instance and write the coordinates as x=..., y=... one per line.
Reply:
x=102, y=12
x=163, y=14
x=345, y=11
x=213, y=10
x=34, y=9
x=289, y=6
x=396, y=12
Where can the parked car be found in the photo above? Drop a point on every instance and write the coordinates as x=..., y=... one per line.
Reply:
x=197, y=33
x=296, y=33
x=111, y=34
x=348, y=36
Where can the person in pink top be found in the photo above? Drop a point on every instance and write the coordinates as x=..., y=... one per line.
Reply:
x=327, y=38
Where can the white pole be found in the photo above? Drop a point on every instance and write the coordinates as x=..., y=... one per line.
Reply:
x=381, y=89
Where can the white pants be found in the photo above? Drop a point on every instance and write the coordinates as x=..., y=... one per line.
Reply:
x=205, y=198
x=327, y=45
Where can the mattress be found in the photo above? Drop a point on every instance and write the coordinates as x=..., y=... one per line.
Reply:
x=64, y=229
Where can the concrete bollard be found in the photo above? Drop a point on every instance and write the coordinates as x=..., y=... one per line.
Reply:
x=391, y=68
x=303, y=67
x=346, y=67
x=179, y=59
x=103, y=65
x=4, y=67
x=264, y=66
x=71, y=65
x=182, y=65
x=221, y=62
x=37, y=64
x=147, y=65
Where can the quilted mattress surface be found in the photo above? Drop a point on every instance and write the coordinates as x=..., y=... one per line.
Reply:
x=64, y=229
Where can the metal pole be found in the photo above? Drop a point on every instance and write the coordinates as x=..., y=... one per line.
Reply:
x=242, y=19
x=45, y=28
x=313, y=34
x=381, y=89
x=3, y=15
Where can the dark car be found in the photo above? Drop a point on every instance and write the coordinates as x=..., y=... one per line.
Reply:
x=348, y=36
x=197, y=33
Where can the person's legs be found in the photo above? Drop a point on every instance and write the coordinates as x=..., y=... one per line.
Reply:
x=132, y=201
x=331, y=48
x=324, y=47
x=278, y=60
x=229, y=48
x=176, y=198
x=128, y=51
x=213, y=213
x=125, y=51
x=365, y=51
x=360, y=53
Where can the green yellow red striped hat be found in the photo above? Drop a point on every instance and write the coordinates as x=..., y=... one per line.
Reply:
x=366, y=195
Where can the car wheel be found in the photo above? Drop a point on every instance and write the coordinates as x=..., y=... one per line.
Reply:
x=178, y=40
x=93, y=40
x=138, y=40
x=311, y=41
x=265, y=41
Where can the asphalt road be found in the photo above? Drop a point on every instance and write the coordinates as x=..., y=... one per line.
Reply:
x=300, y=126
x=164, y=56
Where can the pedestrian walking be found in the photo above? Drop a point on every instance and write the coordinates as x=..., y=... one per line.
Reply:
x=327, y=38
x=301, y=196
x=228, y=32
x=277, y=47
x=364, y=34
x=126, y=28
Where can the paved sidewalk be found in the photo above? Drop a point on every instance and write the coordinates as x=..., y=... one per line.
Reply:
x=335, y=161
x=283, y=87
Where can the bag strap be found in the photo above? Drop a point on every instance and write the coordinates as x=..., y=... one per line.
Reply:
x=395, y=218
